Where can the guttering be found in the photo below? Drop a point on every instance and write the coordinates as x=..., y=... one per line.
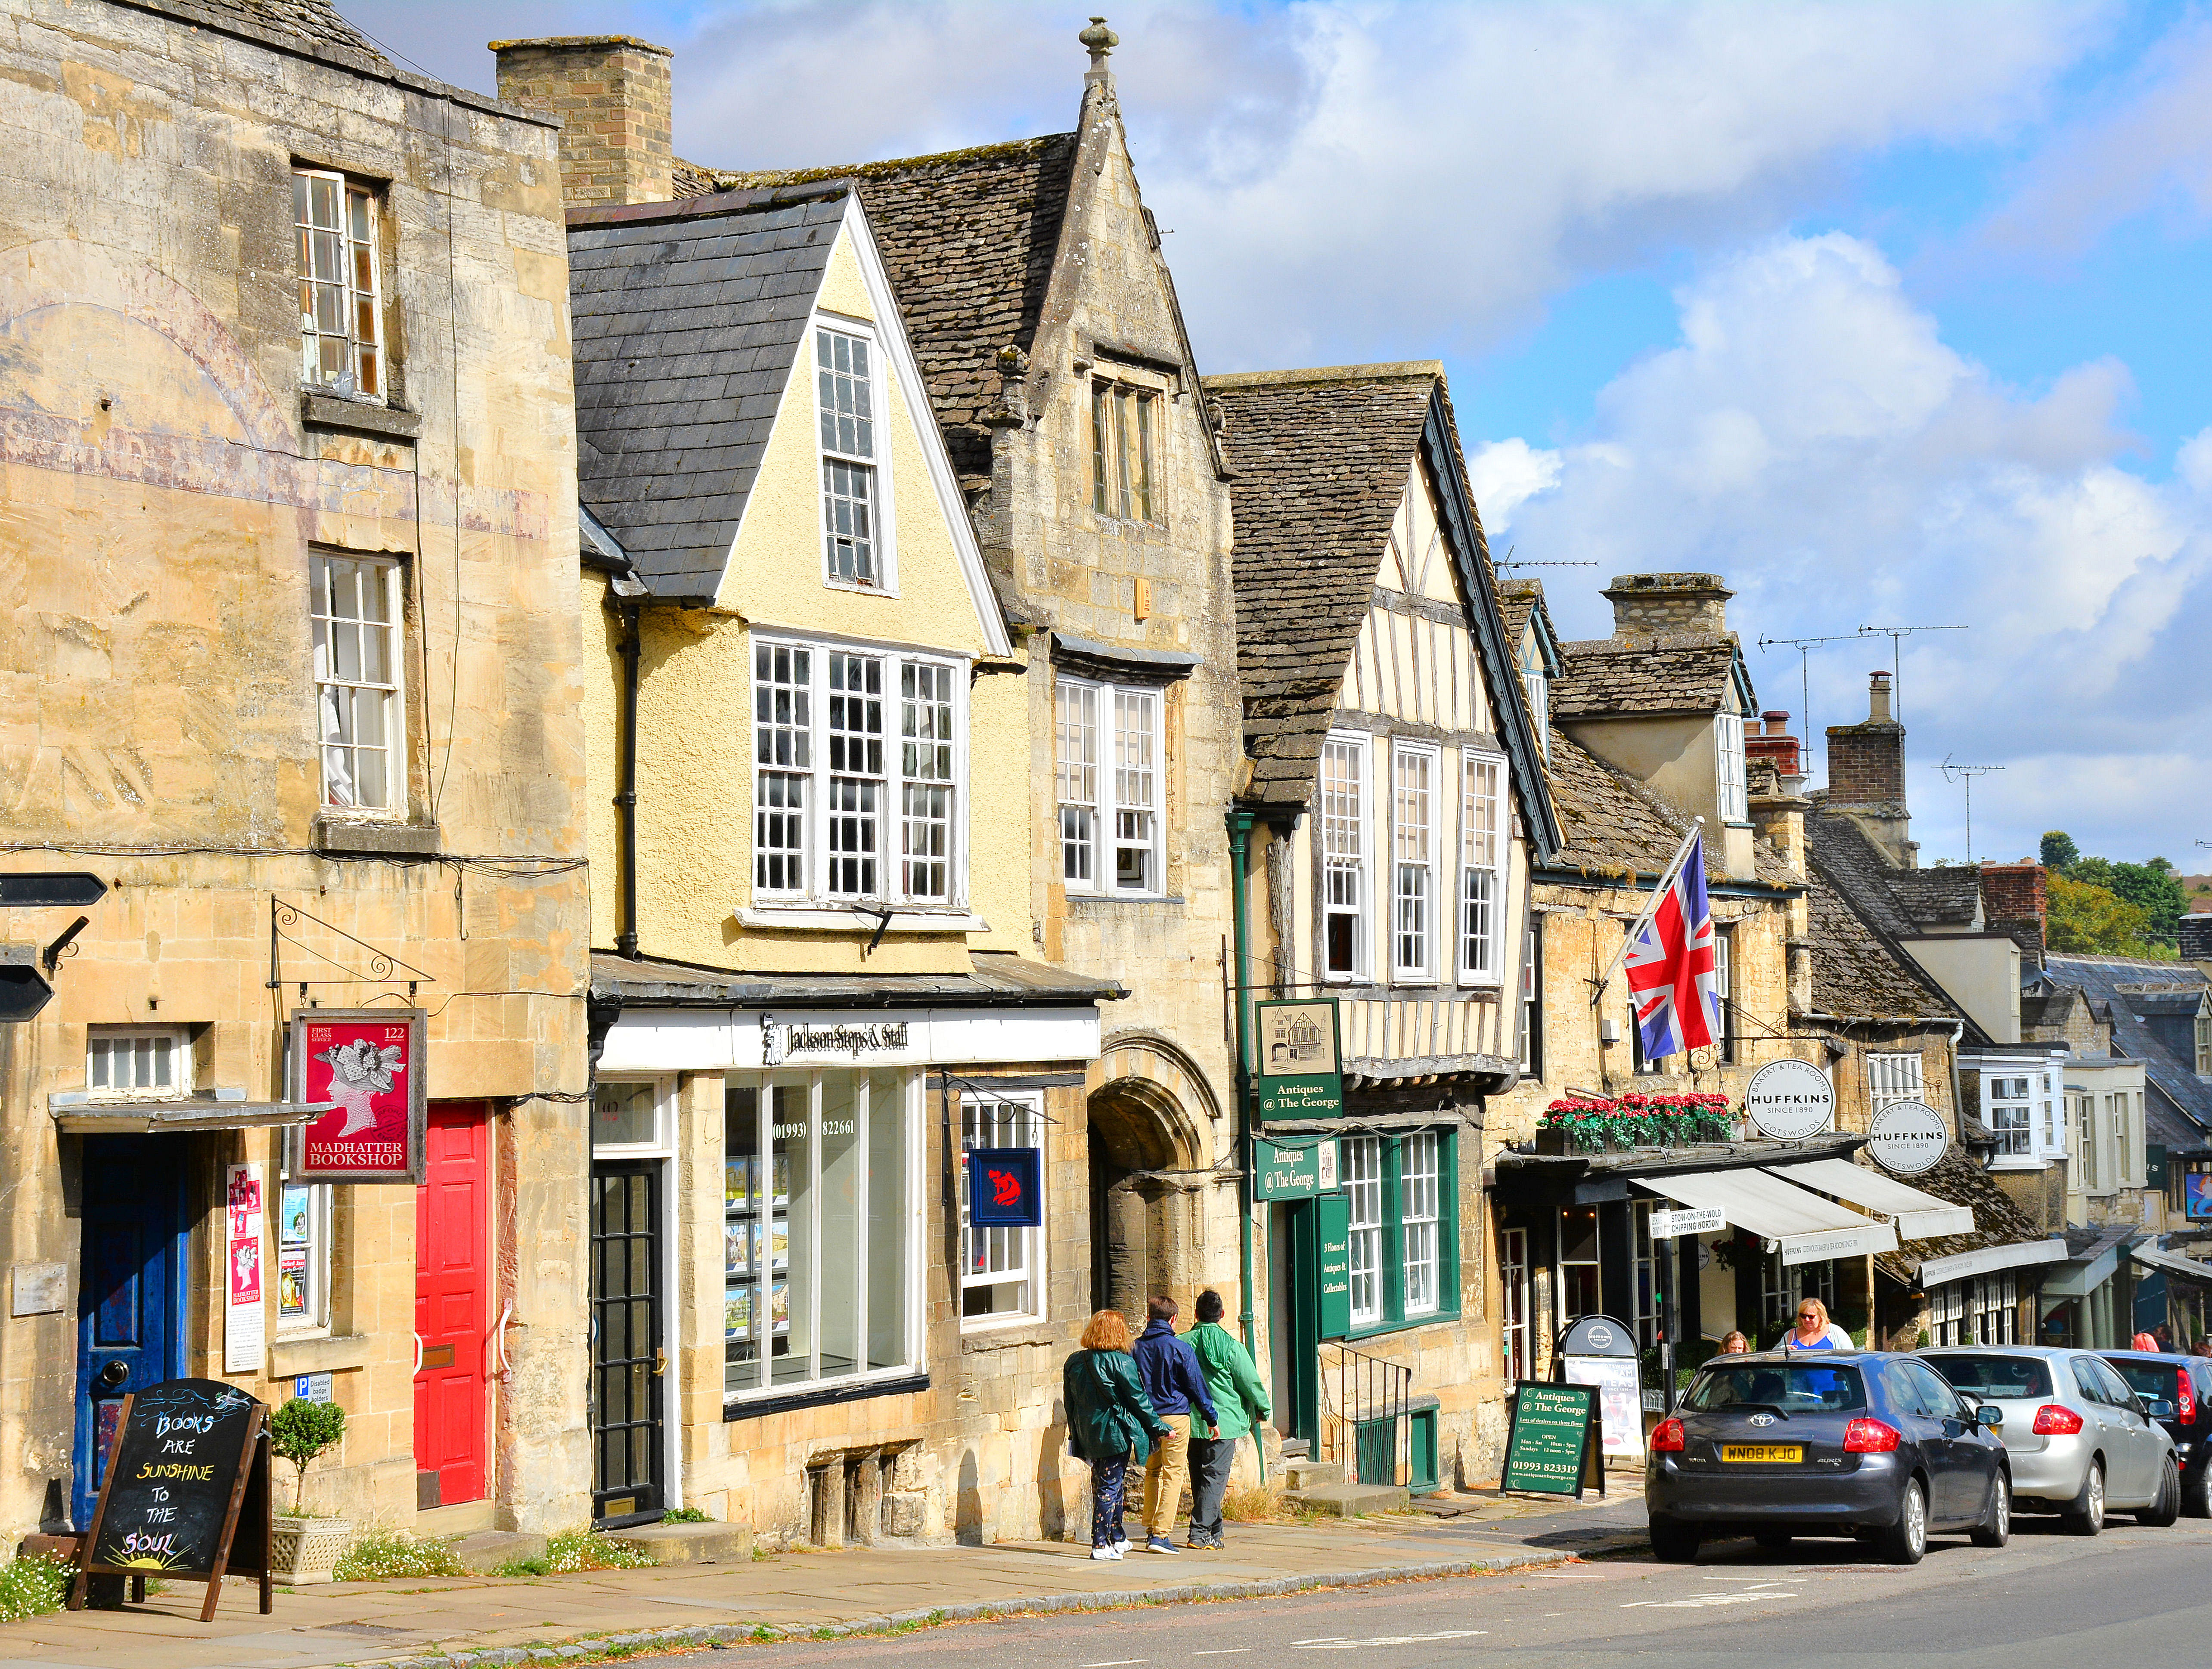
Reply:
x=626, y=797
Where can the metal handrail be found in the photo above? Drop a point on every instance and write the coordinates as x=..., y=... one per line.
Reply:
x=1368, y=1390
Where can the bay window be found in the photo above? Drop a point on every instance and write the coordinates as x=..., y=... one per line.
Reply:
x=1363, y=1186
x=857, y=766
x=1482, y=868
x=1413, y=889
x=2010, y=1103
x=1108, y=784
x=1344, y=858
x=822, y=1207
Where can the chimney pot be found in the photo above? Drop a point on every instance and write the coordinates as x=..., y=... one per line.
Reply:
x=1878, y=698
x=1777, y=722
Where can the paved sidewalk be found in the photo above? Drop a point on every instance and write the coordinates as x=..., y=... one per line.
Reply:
x=493, y=1620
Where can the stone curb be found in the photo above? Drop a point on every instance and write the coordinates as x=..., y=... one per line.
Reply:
x=727, y=1634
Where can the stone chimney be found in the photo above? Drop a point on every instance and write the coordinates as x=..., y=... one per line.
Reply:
x=1866, y=776
x=2196, y=937
x=1664, y=605
x=612, y=95
x=2016, y=896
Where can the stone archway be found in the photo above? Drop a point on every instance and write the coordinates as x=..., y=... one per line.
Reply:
x=1150, y=1146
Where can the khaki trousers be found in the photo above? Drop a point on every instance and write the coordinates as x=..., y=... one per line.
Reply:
x=1166, y=1471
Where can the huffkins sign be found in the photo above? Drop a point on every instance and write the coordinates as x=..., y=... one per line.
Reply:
x=1788, y=1100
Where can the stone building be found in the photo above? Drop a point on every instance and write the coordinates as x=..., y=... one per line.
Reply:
x=291, y=666
x=1055, y=388
x=1396, y=790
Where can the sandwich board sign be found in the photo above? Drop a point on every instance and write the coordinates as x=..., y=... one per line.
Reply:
x=1547, y=1446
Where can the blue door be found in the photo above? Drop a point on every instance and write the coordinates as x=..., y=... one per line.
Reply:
x=130, y=1297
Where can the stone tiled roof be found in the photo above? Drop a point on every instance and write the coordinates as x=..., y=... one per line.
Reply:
x=1856, y=975
x=1997, y=1221
x=1856, y=868
x=1948, y=895
x=1613, y=827
x=2104, y=979
x=689, y=179
x=1320, y=463
x=685, y=329
x=310, y=23
x=968, y=239
x=1608, y=675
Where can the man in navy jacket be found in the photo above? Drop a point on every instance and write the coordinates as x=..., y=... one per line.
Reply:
x=1176, y=1385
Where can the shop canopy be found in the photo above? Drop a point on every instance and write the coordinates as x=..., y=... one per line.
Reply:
x=151, y=1118
x=1917, y=1216
x=2172, y=1263
x=1807, y=1227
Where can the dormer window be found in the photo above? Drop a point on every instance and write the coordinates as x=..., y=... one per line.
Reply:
x=845, y=403
x=1728, y=748
x=1538, y=688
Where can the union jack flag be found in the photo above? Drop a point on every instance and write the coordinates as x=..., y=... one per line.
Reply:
x=1671, y=976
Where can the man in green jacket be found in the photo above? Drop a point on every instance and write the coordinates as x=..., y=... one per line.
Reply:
x=1239, y=1399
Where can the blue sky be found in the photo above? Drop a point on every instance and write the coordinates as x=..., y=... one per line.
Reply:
x=1892, y=314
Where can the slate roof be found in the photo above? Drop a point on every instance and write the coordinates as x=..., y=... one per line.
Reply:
x=1856, y=976
x=1997, y=1221
x=685, y=329
x=1603, y=676
x=968, y=239
x=2106, y=979
x=1320, y=462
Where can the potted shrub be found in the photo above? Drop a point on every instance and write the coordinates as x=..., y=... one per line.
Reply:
x=304, y=1549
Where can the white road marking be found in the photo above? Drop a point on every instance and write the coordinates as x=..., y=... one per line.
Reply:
x=1222, y=1651
x=1339, y=1643
x=1116, y=1663
x=1700, y=1600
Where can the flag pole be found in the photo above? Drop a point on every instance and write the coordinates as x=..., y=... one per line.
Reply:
x=1650, y=909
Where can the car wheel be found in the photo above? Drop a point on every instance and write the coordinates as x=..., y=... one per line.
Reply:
x=1774, y=1541
x=2168, y=1508
x=2196, y=1491
x=1672, y=1543
x=2084, y=1515
x=1995, y=1528
x=1904, y=1541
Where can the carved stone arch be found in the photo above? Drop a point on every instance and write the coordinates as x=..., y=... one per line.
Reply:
x=1151, y=1119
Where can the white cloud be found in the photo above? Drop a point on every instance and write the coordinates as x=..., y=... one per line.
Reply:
x=1814, y=439
x=1507, y=474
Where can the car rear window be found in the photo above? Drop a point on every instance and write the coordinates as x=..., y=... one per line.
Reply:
x=2147, y=1379
x=1996, y=1375
x=1790, y=1388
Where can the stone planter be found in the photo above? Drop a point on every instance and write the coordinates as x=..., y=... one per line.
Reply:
x=303, y=1550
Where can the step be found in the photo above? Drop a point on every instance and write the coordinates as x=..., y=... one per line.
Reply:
x=488, y=1550
x=689, y=1544
x=1353, y=1500
x=1309, y=1474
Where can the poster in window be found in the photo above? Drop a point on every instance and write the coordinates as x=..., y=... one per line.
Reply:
x=738, y=1249
x=292, y=1220
x=292, y=1284
x=737, y=1313
x=367, y=1066
x=779, y=1307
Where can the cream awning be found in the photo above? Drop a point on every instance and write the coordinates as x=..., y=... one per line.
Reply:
x=1917, y=1216
x=1807, y=1227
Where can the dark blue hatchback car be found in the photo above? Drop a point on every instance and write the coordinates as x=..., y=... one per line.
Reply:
x=1866, y=1444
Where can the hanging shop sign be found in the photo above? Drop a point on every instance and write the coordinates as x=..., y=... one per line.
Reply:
x=2196, y=1195
x=1300, y=1069
x=1669, y=1225
x=1333, y=1220
x=1547, y=1446
x=370, y=1062
x=245, y=1316
x=1787, y=1101
x=1908, y=1137
x=1005, y=1188
x=1292, y=1170
x=186, y=1493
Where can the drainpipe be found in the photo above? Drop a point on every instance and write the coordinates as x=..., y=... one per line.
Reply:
x=626, y=797
x=1240, y=857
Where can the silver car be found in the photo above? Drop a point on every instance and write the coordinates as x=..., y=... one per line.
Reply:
x=2078, y=1439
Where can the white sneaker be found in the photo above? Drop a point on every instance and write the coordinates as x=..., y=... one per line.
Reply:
x=1105, y=1552
x=1120, y=1547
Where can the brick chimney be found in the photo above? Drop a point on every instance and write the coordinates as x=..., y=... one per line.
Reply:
x=2016, y=895
x=1773, y=743
x=1664, y=606
x=2196, y=937
x=1866, y=776
x=612, y=95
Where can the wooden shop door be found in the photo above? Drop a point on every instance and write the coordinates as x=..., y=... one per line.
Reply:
x=452, y=1288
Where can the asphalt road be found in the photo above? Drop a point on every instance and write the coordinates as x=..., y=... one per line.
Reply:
x=2131, y=1596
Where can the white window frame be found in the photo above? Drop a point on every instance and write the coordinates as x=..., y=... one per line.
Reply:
x=900, y=771
x=2204, y=1038
x=168, y=1044
x=1346, y=834
x=1724, y=987
x=342, y=698
x=2009, y=1099
x=1414, y=840
x=1536, y=687
x=1010, y=1255
x=1420, y=1207
x=1514, y=1294
x=1092, y=830
x=2051, y=1112
x=869, y=452
x=1894, y=1077
x=1532, y=999
x=1730, y=768
x=1482, y=871
x=1363, y=1240
x=315, y=1264
x=356, y=245
x=659, y=1143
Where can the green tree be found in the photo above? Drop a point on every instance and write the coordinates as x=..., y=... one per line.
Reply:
x=2154, y=890
x=2097, y=921
x=2059, y=851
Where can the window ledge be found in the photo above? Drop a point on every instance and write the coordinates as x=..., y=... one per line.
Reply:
x=403, y=839
x=833, y=919
x=2014, y=1163
x=1123, y=898
x=858, y=589
x=1008, y=1335
x=335, y=411
x=822, y=1395
x=288, y=1358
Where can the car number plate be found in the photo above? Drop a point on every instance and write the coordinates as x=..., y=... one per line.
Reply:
x=1770, y=1453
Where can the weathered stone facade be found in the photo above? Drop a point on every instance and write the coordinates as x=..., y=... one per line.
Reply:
x=169, y=484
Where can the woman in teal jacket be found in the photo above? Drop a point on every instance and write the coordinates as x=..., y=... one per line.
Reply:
x=1110, y=1419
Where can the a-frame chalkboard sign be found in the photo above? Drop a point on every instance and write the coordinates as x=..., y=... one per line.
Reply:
x=186, y=1493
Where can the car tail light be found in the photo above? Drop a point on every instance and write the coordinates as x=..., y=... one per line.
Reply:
x=1668, y=1438
x=2052, y=1421
x=1869, y=1437
x=2186, y=1402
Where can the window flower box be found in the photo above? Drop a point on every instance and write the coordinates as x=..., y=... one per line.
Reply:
x=1619, y=1123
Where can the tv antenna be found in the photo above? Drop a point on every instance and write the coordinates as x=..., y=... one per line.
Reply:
x=1966, y=774
x=1896, y=634
x=1804, y=647
x=1507, y=562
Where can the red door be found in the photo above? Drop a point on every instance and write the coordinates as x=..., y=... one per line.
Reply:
x=453, y=1285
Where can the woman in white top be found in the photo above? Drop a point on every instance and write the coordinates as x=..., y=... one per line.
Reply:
x=1814, y=1331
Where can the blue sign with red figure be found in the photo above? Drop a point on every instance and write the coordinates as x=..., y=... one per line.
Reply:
x=1005, y=1188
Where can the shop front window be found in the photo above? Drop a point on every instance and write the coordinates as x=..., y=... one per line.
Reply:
x=1001, y=1270
x=1578, y=1274
x=1513, y=1301
x=819, y=1205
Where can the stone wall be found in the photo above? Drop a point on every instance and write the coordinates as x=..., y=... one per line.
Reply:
x=613, y=97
